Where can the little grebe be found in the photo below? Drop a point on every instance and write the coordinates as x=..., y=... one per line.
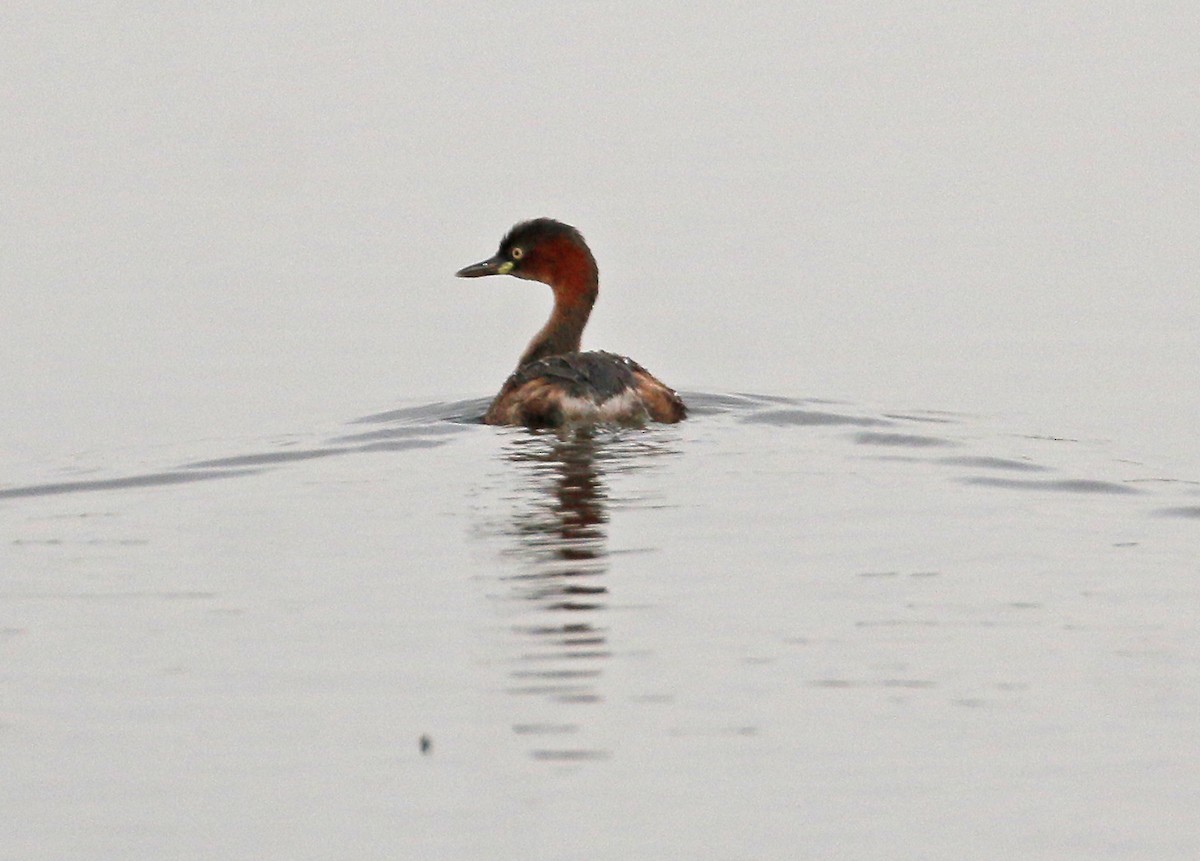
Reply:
x=555, y=384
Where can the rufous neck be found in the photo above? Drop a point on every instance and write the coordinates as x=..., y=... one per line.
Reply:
x=563, y=332
x=570, y=270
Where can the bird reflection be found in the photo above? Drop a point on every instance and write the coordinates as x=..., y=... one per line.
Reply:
x=562, y=541
x=559, y=527
x=563, y=531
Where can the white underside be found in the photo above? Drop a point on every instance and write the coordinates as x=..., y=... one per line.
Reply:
x=625, y=407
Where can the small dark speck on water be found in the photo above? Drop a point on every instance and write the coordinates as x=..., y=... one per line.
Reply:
x=426, y=744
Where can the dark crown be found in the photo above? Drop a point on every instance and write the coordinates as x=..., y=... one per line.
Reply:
x=530, y=233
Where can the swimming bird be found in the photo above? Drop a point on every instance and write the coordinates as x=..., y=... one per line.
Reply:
x=555, y=384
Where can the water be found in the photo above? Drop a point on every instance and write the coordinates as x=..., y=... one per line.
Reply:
x=785, y=622
x=916, y=580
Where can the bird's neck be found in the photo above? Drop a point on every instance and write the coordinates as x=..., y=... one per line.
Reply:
x=563, y=331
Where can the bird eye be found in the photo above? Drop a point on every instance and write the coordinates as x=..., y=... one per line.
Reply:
x=517, y=253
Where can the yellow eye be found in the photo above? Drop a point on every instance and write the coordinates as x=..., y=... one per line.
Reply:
x=517, y=253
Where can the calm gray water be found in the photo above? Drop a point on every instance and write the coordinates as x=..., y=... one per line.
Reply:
x=782, y=624
x=926, y=589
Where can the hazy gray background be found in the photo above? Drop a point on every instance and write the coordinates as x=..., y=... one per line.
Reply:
x=237, y=219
